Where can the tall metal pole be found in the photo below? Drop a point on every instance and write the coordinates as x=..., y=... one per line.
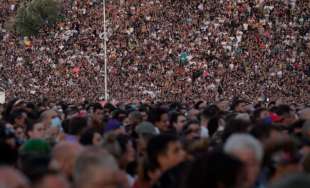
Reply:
x=105, y=52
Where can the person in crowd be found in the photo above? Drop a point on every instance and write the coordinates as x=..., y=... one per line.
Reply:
x=20, y=135
x=47, y=117
x=205, y=116
x=250, y=151
x=96, y=117
x=177, y=122
x=52, y=180
x=159, y=118
x=76, y=127
x=121, y=147
x=145, y=132
x=34, y=158
x=165, y=151
x=64, y=156
x=119, y=115
x=148, y=174
x=170, y=178
x=35, y=131
x=235, y=125
x=267, y=135
x=12, y=178
x=239, y=106
x=134, y=119
x=191, y=131
x=285, y=159
x=216, y=170
x=90, y=136
x=240, y=68
x=19, y=118
x=96, y=168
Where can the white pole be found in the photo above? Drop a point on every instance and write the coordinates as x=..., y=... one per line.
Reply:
x=105, y=52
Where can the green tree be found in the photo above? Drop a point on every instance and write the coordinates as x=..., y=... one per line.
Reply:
x=35, y=14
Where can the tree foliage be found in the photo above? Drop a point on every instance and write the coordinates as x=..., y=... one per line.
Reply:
x=35, y=14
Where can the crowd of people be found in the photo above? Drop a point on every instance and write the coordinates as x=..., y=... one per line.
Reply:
x=236, y=144
x=239, y=71
x=162, y=51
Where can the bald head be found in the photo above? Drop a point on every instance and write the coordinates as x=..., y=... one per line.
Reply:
x=96, y=168
x=64, y=156
x=53, y=181
x=11, y=178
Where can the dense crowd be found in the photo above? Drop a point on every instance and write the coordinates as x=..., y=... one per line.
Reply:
x=239, y=70
x=228, y=144
x=162, y=50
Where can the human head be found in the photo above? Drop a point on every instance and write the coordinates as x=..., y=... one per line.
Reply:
x=148, y=173
x=119, y=115
x=19, y=118
x=159, y=117
x=11, y=178
x=192, y=131
x=76, y=125
x=223, y=105
x=47, y=116
x=135, y=118
x=120, y=146
x=52, y=180
x=90, y=136
x=64, y=156
x=96, y=168
x=143, y=109
x=216, y=170
x=215, y=124
x=98, y=113
x=165, y=151
x=34, y=158
x=285, y=157
x=239, y=106
x=267, y=134
x=20, y=134
x=235, y=125
x=177, y=121
x=145, y=132
x=145, y=128
x=35, y=131
x=250, y=151
x=208, y=113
